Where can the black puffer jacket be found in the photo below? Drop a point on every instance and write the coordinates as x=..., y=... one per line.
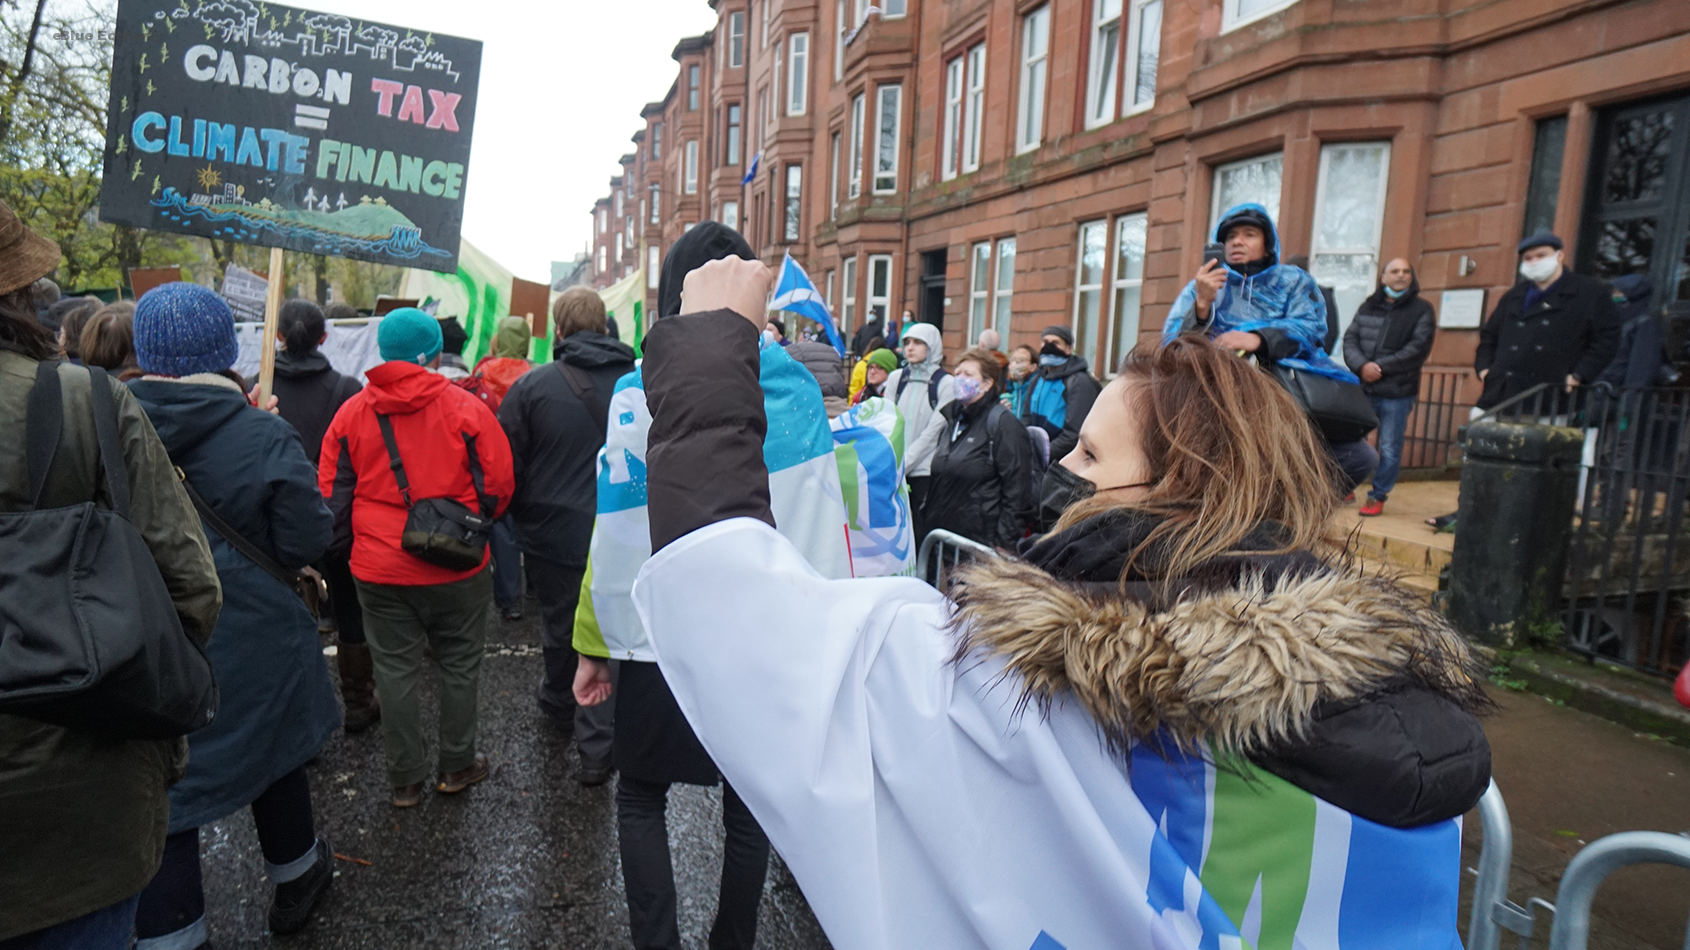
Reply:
x=555, y=441
x=308, y=394
x=1396, y=334
x=981, y=485
x=824, y=363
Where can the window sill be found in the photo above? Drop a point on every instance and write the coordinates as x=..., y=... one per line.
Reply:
x=1228, y=27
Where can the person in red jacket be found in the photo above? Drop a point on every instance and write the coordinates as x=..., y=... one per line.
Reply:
x=450, y=446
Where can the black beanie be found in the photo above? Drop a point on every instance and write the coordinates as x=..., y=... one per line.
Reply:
x=709, y=241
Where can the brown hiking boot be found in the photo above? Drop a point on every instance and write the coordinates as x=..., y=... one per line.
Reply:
x=407, y=796
x=357, y=687
x=453, y=782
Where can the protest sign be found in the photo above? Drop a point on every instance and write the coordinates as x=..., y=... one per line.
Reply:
x=290, y=128
x=244, y=292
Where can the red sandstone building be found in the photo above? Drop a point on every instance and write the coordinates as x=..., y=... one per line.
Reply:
x=1021, y=163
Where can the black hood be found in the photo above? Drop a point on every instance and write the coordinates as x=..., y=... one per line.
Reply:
x=1637, y=288
x=289, y=366
x=709, y=241
x=590, y=350
x=186, y=414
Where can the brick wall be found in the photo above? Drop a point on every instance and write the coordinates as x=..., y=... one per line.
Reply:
x=1455, y=88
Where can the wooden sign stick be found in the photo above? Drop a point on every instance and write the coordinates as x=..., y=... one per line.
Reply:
x=272, y=315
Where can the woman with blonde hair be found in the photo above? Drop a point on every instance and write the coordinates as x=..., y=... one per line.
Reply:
x=1177, y=720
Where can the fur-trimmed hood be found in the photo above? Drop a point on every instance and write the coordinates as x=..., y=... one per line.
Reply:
x=1345, y=685
x=1241, y=669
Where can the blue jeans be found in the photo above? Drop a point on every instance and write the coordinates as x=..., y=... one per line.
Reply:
x=1393, y=421
x=105, y=929
x=1356, y=460
x=507, y=566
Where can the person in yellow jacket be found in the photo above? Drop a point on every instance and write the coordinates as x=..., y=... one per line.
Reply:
x=882, y=360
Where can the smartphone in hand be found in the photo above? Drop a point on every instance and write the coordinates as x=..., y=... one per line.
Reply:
x=1214, y=252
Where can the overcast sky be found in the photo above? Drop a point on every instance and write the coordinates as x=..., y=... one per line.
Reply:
x=562, y=84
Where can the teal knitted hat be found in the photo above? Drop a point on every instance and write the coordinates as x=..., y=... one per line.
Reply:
x=408, y=335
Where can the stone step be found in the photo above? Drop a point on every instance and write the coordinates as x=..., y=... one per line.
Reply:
x=1413, y=549
x=1422, y=584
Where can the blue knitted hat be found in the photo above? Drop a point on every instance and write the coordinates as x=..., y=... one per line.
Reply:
x=182, y=329
x=409, y=335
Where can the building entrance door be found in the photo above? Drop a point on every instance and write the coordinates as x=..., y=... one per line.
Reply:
x=1637, y=207
x=933, y=287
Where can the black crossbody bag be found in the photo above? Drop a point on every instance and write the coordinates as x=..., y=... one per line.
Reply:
x=89, y=637
x=1340, y=410
x=442, y=531
x=305, y=582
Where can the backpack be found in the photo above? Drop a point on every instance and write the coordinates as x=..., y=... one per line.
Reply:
x=932, y=387
x=493, y=378
x=1035, y=434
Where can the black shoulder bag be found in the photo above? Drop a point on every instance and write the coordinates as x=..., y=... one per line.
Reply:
x=441, y=531
x=1340, y=410
x=582, y=386
x=305, y=582
x=89, y=637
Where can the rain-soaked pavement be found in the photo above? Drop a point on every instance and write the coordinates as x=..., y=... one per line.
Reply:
x=526, y=859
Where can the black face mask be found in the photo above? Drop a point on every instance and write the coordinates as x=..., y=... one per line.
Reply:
x=1062, y=489
x=1052, y=348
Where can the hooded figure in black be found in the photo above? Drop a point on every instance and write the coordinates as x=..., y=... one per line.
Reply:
x=654, y=745
x=1641, y=359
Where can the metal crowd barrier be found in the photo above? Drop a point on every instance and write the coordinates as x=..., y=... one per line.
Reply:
x=942, y=552
x=1493, y=912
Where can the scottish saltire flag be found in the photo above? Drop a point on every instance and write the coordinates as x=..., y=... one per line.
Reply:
x=795, y=292
x=751, y=172
x=803, y=489
x=868, y=444
x=922, y=805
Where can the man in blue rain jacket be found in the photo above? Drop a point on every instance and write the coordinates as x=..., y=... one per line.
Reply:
x=1253, y=304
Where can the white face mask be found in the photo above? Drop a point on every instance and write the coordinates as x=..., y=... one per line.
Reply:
x=1539, y=270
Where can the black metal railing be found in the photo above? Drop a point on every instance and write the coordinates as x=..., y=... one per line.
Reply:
x=1626, y=594
x=1430, y=440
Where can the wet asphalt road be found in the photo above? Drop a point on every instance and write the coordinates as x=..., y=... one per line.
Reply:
x=526, y=859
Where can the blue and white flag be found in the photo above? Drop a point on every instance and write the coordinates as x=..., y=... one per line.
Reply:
x=751, y=173
x=804, y=496
x=795, y=292
x=868, y=444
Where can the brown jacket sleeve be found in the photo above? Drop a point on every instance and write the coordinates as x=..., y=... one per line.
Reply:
x=704, y=455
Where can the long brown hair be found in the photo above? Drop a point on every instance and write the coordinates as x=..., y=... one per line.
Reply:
x=1229, y=453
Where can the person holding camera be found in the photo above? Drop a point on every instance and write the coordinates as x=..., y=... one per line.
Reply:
x=414, y=457
x=1246, y=301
